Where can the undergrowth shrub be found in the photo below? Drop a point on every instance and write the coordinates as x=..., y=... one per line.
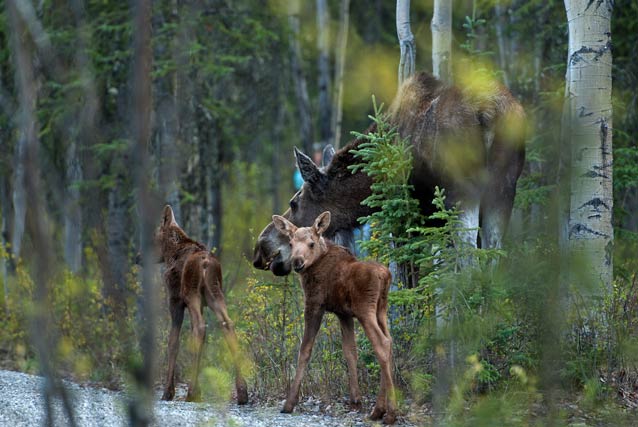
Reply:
x=94, y=342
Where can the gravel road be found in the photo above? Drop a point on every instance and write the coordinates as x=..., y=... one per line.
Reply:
x=21, y=404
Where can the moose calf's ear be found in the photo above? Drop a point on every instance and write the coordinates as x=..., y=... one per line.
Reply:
x=322, y=223
x=169, y=217
x=284, y=226
x=309, y=171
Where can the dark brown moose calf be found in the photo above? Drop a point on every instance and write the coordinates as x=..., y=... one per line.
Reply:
x=333, y=280
x=193, y=279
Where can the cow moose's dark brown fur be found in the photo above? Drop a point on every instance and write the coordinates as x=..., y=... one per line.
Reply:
x=467, y=139
x=333, y=280
x=193, y=279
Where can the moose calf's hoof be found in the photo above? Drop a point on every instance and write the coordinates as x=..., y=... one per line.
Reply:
x=193, y=396
x=377, y=414
x=287, y=409
x=355, y=405
x=169, y=394
x=389, y=418
x=242, y=393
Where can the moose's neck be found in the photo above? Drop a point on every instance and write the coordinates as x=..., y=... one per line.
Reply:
x=347, y=189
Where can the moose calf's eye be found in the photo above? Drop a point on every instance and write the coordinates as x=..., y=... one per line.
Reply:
x=312, y=245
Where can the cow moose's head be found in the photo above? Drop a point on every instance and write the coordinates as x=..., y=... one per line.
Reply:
x=331, y=187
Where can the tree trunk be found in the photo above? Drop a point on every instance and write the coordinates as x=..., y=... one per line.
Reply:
x=72, y=212
x=19, y=197
x=500, y=40
x=86, y=130
x=4, y=211
x=406, y=40
x=117, y=239
x=323, y=35
x=32, y=196
x=301, y=88
x=590, y=231
x=141, y=410
x=277, y=137
x=442, y=40
x=340, y=63
x=212, y=189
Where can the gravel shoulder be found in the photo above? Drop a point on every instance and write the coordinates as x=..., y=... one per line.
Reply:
x=22, y=404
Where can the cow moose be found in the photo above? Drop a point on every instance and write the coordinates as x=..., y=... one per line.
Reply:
x=333, y=280
x=468, y=140
x=193, y=279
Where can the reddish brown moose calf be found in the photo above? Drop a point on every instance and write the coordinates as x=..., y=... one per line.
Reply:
x=333, y=280
x=193, y=279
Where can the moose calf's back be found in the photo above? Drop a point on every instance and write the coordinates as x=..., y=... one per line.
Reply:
x=344, y=285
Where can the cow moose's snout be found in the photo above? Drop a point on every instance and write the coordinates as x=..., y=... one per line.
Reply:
x=298, y=264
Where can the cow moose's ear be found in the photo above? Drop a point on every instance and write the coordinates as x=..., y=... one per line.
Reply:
x=328, y=154
x=322, y=223
x=284, y=226
x=169, y=217
x=309, y=171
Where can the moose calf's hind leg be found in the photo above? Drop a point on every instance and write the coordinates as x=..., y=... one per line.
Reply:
x=382, y=346
x=177, y=317
x=218, y=305
x=350, y=353
x=199, y=333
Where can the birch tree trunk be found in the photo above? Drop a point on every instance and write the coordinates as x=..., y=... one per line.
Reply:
x=589, y=228
x=323, y=35
x=340, y=63
x=442, y=40
x=406, y=40
x=301, y=88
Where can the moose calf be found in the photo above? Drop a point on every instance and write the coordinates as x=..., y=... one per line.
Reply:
x=333, y=280
x=193, y=279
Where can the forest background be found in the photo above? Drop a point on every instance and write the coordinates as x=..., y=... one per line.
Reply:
x=235, y=85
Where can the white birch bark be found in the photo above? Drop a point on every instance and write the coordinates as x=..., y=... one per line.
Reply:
x=589, y=228
x=406, y=40
x=442, y=40
x=340, y=63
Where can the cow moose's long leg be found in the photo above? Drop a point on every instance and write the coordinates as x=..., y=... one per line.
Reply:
x=505, y=163
x=215, y=300
x=176, y=307
x=194, y=304
x=469, y=219
x=350, y=353
x=382, y=346
x=496, y=207
x=312, y=320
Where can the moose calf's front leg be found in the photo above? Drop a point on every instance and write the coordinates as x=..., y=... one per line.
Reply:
x=311, y=327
